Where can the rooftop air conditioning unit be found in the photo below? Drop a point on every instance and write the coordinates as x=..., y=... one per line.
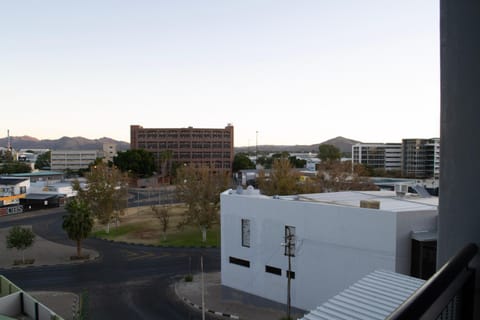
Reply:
x=401, y=190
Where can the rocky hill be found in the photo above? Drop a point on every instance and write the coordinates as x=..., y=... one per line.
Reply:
x=344, y=144
x=80, y=143
x=64, y=143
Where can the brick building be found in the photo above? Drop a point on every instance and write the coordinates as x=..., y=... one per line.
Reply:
x=201, y=147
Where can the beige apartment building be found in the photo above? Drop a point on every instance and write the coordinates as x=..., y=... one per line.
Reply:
x=198, y=146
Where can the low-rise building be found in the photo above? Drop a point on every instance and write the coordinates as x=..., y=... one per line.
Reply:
x=72, y=159
x=12, y=190
x=331, y=239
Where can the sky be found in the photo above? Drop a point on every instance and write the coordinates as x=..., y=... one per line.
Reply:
x=282, y=72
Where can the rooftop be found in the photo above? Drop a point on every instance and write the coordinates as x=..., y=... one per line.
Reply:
x=38, y=174
x=6, y=181
x=375, y=296
x=389, y=201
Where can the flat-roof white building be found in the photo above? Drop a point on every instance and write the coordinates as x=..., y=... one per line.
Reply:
x=72, y=159
x=336, y=242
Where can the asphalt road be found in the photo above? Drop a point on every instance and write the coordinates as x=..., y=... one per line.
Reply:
x=126, y=282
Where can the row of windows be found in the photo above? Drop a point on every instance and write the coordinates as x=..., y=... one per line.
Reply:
x=184, y=135
x=268, y=269
x=184, y=145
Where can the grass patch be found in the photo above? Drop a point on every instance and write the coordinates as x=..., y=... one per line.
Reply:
x=116, y=232
x=20, y=262
x=142, y=227
x=192, y=237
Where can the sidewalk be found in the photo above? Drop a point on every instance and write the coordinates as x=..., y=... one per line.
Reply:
x=45, y=253
x=229, y=303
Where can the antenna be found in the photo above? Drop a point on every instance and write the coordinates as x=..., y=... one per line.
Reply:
x=9, y=144
x=256, y=147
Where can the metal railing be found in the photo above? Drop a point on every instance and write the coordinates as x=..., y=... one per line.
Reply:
x=448, y=294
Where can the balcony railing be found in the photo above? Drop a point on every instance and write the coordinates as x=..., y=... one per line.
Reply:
x=448, y=294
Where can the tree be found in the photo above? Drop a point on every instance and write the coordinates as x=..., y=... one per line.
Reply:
x=328, y=152
x=20, y=239
x=78, y=223
x=283, y=179
x=137, y=161
x=14, y=167
x=166, y=163
x=241, y=161
x=43, y=160
x=340, y=176
x=297, y=163
x=162, y=214
x=199, y=189
x=105, y=193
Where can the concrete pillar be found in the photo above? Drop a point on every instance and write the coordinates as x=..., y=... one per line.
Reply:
x=459, y=203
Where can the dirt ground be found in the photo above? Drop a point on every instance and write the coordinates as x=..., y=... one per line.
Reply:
x=143, y=226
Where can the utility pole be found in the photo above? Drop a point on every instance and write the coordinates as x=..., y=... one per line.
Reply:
x=256, y=148
x=203, y=289
x=289, y=251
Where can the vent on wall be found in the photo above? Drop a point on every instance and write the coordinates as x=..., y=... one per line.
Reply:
x=370, y=204
x=401, y=189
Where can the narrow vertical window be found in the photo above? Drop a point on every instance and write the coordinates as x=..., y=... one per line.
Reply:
x=246, y=233
x=290, y=241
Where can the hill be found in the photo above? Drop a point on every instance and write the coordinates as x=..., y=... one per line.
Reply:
x=64, y=143
x=344, y=144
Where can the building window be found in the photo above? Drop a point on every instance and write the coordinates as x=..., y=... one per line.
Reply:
x=240, y=262
x=290, y=241
x=246, y=233
x=291, y=273
x=273, y=270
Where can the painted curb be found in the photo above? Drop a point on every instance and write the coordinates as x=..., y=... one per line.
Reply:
x=222, y=314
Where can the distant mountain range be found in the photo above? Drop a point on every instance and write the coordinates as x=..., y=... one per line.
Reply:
x=344, y=144
x=64, y=143
x=80, y=143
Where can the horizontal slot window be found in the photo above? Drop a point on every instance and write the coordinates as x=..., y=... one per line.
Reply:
x=273, y=270
x=240, y=262
x=292, y=274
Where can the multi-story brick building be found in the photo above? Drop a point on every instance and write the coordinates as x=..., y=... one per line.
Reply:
x=201, y=147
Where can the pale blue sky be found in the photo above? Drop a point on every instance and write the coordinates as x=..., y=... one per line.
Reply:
x=298, y=72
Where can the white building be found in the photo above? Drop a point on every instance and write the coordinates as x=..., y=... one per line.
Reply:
x=12, y=189
x=72, y=159
x=336, y=241
x=109, y=151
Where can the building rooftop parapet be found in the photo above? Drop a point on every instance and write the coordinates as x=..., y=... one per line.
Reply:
x=388, y=200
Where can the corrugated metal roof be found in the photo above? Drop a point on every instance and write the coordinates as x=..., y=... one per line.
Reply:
x=11, y=181
x=375, y=296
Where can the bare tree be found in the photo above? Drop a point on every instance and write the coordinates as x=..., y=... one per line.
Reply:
x=163, y=215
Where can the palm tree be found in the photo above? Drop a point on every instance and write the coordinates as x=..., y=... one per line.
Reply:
x=78, y=223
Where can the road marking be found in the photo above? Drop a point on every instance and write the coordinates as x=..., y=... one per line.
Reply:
x=141, y=254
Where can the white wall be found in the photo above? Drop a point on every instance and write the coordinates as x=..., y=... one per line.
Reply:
x=336, y=246
x=408, y=222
